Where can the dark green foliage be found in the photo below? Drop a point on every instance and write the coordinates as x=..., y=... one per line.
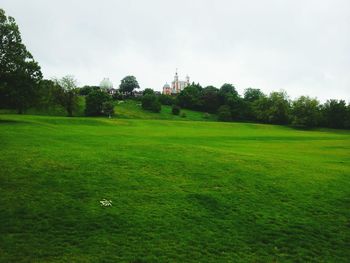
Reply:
x=175, y=109
x=237, y=107
x=20, y=74
x=250, y=96
x=87, y=89
x=183, y=115
x=66, y=93
x=224, y=113
x=150, y=102
x=108, y=107
x=94, y=102
x=335, y=114
x=206, y=115
x=305, y=112
x=209, y=99
x=226, y=92
x=166, y=99
x=47, y=91
x=118, y=96
x=189, y=97
x=148, y=91
x=128, y=84
x=273, y=109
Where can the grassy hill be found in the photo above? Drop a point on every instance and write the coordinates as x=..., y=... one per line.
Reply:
x=131, y=109
x=182, y=191
x=128, y=109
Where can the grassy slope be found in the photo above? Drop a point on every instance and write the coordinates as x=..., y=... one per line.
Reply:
x=128, y=109
x=132, y=110
x=181, y=191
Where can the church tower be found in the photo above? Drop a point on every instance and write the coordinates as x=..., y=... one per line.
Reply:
x=176, y=85
x=176, y=81
x=187, y=80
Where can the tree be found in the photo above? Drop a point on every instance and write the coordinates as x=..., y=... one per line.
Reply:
x=166, y=99
x=47, y=91
x=108, y=108
x=334, y=114
x=189, y=97
x=175, y=109
x=87, y=89
x=273, y=109
x=20, y=74
x=224, y=113
x=237, y=106
x=250, y=96
x=128, y=84
x=66, y=93
x=209, y=99
x=150, y=102
x=227, y=91
x=94, y=102
x=148, y=91
x=305, y=112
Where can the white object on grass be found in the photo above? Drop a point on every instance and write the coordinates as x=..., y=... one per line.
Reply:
x=105, y=202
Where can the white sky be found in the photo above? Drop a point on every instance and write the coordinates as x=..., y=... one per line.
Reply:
x=301, y=46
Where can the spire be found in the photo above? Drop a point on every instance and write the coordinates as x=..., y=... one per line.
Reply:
x=176, y=78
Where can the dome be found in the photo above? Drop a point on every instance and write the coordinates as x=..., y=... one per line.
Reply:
x=106, y=84
x=166, y=85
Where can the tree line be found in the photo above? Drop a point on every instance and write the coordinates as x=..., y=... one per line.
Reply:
x=255, y=106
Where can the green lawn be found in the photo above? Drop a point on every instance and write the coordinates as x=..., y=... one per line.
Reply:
x=182, y=191
x=131, y=109
x=127, y=109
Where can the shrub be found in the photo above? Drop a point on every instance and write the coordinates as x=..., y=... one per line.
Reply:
x=166, y=99
x=175, y=110
x=108, y=107
x=148, y=92
x=183, y=114
x=224, y=113
x=118, y=96
x=150, y=102
x=94, y=101
x=206, y=115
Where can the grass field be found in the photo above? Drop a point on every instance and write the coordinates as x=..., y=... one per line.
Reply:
x=182, y=191
x=128, y=109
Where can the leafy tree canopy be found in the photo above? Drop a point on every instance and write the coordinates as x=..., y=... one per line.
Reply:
x=305, y=111
x=128, y=84
x=66, y=93
x=20, y=74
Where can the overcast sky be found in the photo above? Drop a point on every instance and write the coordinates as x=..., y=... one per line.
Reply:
x=302, y=46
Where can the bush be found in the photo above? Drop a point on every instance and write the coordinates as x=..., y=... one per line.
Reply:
x=175, y=110
x=108, y=108
x=94, y=101
x=224, y=113
x=206, y=115
x=148, y=92
x=183, y=114
x=166, y=99
x=118, y=96
x=87, y=89
x=150, y=102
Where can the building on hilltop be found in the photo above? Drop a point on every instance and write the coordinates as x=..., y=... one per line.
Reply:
x=176, y=85
x=107, y=86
